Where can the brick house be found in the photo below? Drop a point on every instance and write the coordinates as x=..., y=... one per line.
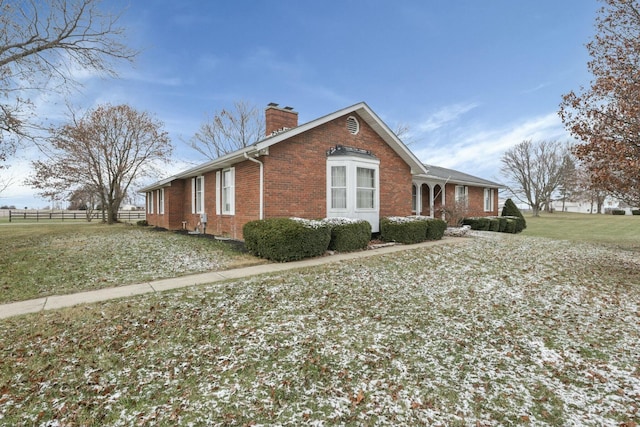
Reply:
x=345, y=164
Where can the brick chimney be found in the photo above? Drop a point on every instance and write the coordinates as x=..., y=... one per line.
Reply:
x=279, y=119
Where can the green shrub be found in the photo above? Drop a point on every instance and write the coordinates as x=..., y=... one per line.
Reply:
x=511, y=210
x=503, y=224
x=618, y=212
x=511, y=225
x=477, y=223
x=403, y=229
x=142, y=223
x=494, y=224
x=348, y=235
x=436, y=229
x=635, y=212
x=285, y=239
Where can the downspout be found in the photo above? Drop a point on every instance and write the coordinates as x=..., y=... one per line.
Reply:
x=261, y=183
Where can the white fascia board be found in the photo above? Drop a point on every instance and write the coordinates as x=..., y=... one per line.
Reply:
x=442, y=180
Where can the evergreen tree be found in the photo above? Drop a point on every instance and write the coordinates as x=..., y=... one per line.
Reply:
x=510, y=209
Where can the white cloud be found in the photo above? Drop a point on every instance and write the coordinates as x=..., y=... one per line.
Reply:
x=444, y=116
x=477, y=150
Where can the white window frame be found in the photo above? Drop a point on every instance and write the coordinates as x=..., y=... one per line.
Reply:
x=462, y=196
x=351, y=164
x=197, y=197
x=150, y=202
x=161, y=201
x=488, y=199
x=368, y=190
x=226, y=190
x=341, y=188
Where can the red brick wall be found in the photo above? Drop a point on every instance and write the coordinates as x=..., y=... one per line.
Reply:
x=278, y=118
x=295, y=182
x=295, y=172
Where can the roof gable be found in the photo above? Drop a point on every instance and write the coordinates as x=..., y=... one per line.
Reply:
x=262, y=146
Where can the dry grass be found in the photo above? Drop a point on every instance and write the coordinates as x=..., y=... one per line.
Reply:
x=508, y=330
x=48, y=259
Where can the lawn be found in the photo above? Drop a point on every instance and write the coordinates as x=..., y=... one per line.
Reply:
x=504, y=330
x=621, y=231
x=46, y=259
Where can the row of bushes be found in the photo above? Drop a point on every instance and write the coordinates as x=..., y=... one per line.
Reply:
x=412, y=229
x=502, y=224
x=290, y=239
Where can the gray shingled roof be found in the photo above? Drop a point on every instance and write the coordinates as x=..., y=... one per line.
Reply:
x=457, y=177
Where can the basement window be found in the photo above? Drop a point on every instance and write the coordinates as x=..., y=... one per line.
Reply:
x=353, y=126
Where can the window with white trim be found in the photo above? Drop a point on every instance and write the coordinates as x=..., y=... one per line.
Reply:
x=338, y=187
x=197, y=194
x=150, y=202
x=488, y=199
x=161, y=201
x=462, y=193
x=365, y=188
x=228, y=191
x=352, y=185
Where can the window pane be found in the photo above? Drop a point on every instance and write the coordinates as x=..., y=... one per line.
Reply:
x=365, y=198
x=338, y=198
x=338, y=176
x=366, y=178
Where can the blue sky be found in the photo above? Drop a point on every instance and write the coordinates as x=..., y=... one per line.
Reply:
x=470, y=78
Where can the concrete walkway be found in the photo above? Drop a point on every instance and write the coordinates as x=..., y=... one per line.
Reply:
x=69, y=300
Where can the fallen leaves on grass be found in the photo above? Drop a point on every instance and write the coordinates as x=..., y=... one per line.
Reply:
x=504, y=330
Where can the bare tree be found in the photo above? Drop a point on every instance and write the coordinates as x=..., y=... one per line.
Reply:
x=229, y=130
x=105, y=151
x=535, y=171
x=42, y=45
x=589, y=189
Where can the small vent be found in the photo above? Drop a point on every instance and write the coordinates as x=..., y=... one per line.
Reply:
x=352, y=125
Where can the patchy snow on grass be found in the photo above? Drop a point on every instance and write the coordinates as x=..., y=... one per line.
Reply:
x=77, y=261
x=503, y=330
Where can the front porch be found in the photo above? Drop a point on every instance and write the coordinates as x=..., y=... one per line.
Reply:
x=428, y=198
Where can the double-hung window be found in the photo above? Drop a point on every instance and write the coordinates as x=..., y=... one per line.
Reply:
x=161, y=201
x=226, y=192
x=228, y=185
x=197, y=194
x=150, y=202
x=365, y=188
x=338, y=187
x=462, y=193
x=488, y=199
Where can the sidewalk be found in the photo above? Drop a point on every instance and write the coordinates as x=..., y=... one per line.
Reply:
x=69, y=300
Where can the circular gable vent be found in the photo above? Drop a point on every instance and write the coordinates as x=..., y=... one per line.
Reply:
x=352, y=125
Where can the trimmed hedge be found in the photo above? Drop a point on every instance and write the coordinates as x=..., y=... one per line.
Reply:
x=618, y=212
x=494, y=224
x=511, y=225
x=349, y=236
x=635, y=212
x=503, y=224
x=403, y=230
x=285, y=239
x=436, y=229
x=477, y=223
